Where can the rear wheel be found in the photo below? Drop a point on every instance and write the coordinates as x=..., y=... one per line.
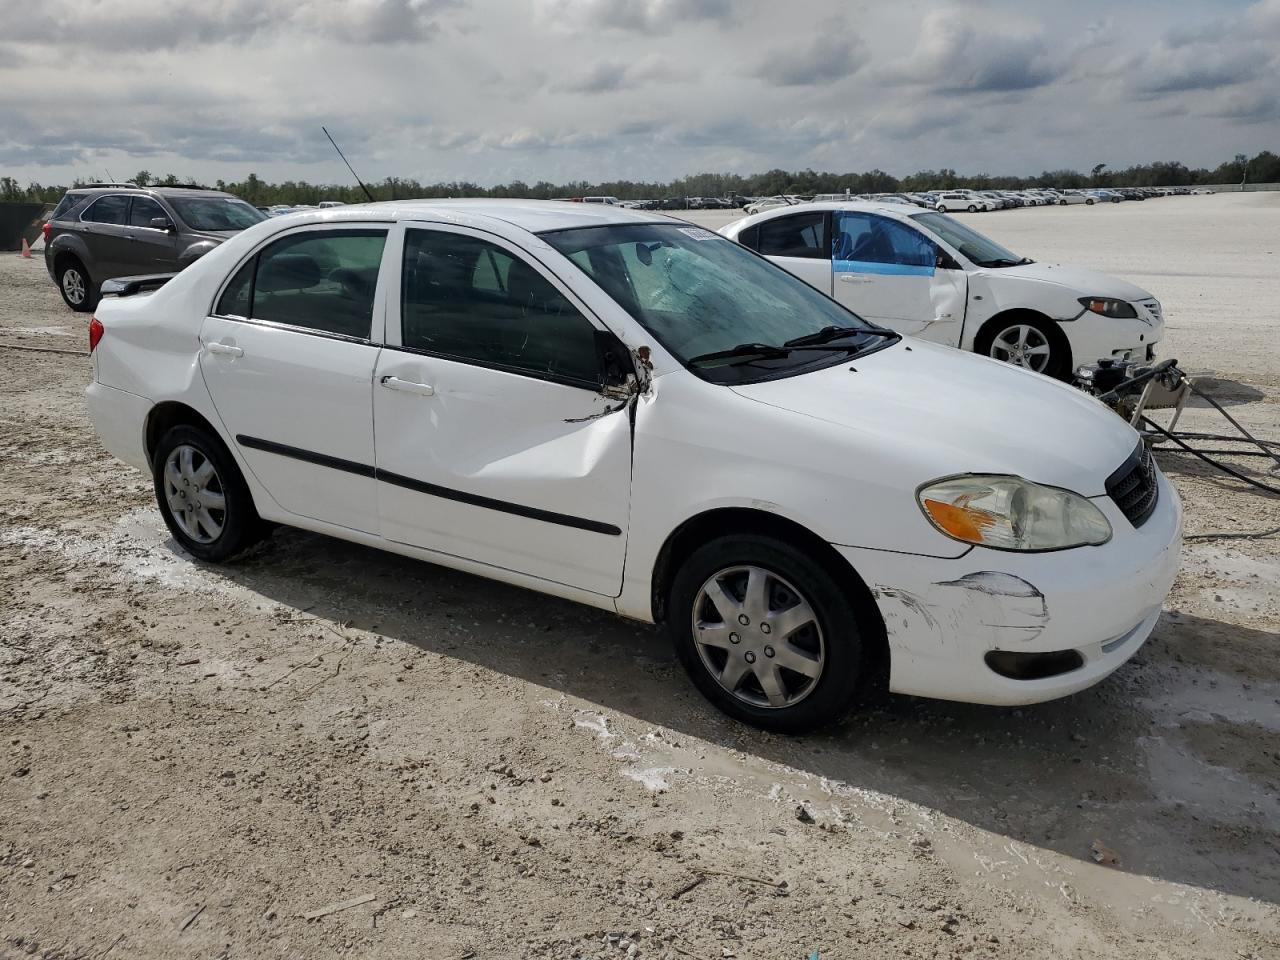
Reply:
x=1089, y=203
x=75, y=286
x=202, y=495
x=767, y=634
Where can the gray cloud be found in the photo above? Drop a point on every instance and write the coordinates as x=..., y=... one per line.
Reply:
x=135, y=25
x=957, y=53
x=833, y=55
x=642, y=16
x=613, y=76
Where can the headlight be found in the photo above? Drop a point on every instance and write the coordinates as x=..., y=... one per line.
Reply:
x=1116, y=309
x=1009, y=513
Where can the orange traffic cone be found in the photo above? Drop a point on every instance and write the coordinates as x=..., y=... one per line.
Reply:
x=26, y=248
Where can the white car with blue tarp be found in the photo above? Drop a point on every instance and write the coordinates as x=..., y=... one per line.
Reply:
x=927, y=275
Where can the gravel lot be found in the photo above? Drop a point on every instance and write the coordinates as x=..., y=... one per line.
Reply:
x=196, y=759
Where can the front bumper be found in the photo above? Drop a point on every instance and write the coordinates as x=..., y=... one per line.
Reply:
x=1093, y=338
x=943, y=616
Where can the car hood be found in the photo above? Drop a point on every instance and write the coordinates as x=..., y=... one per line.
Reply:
x=1089, y=283
x=927, y=411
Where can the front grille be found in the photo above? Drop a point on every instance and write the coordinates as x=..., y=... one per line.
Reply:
x=1134, y=487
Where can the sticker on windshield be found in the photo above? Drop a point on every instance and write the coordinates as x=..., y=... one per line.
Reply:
x=697, y=233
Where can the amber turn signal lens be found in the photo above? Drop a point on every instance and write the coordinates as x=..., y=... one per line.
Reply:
x=963, y=523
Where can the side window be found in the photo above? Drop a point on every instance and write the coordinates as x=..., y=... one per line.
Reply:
x=320, y=280
x=798, y=235
x=863, y=238
x=144, y=210
x=471, y=300
x=236, y=300
x=113, y=208
x=65, y=204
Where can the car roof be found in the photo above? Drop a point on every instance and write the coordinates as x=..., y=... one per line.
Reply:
x=128, y=188
x=866, y=206
x=535, y=216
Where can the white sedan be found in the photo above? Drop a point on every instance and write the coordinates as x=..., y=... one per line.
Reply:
x=930, y=276
x=635, y=413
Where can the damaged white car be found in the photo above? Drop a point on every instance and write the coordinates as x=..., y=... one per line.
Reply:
x=637, y=414
x=926, y=274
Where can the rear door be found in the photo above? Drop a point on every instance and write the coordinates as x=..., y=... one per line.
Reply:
x=494, y=443
x=887, y=272
x=799, y=242
x=150, y=249
x=104, y=224
x=288, y=355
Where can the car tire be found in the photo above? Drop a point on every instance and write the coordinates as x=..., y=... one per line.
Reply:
x=76, y=286
x=1088, y=203
x=1000, y=335
x=834, y=671
x=1062, y=203
x=202, y=495
x=972, y=208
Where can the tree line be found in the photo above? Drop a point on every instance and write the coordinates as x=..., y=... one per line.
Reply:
x=1263, y=168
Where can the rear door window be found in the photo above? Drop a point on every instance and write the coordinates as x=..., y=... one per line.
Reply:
x=317, y=280
x=113, y=208
x=798, y=235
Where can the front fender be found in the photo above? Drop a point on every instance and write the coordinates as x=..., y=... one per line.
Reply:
x=988, y=299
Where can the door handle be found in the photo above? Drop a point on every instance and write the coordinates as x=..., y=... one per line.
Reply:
x=852, y=278
x=224, y=349
x=408, y=386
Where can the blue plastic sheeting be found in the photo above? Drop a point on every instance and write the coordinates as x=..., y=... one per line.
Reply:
x=887, y=269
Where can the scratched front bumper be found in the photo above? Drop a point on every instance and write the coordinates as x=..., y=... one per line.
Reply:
x=943, y=616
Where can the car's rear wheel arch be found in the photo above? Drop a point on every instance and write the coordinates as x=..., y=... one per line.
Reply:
x=707, y=526
x=165, y=416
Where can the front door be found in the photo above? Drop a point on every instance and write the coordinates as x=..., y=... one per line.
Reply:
x=494, y=443
x=288, y=357
x=886, y=271
x=151, y=249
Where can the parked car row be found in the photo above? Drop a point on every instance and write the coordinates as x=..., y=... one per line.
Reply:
x=632, y=412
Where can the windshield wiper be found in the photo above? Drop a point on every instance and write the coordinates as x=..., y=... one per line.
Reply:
x=827, y=334
x=1003, y=262
x=763, y=351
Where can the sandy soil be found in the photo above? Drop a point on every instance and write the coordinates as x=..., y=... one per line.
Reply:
x=195, y=758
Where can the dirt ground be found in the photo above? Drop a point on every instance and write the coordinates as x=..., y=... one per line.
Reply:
x=197, y=760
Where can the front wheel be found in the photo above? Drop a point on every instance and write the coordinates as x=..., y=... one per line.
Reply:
x=202, y=496
x=767, y=634
x=1088, y=203
x=1030, y=343
x=972, y=208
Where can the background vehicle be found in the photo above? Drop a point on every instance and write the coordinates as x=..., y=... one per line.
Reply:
x=769, y=203
x=99, y=232
x=1068, y=197
x=929, y=276
x=610, y=201
x=954, y=201
x=598, y=409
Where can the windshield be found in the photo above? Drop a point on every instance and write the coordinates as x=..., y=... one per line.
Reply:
x=216, y=213
x=700, y=294
x=983, y=251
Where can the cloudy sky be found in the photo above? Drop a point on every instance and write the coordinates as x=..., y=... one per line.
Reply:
x=495, y=90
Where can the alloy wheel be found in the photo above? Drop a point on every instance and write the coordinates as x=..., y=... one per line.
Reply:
x=73, y=285
x=1024, y=346
x=758, y=636
x=195, y=494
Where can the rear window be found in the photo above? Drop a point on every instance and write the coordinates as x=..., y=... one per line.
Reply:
x=65, y=205
x=216, y=213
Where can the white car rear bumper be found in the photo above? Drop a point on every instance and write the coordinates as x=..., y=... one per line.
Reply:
x=119, y=418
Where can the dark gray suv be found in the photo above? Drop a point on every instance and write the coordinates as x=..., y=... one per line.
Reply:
x=117, y=230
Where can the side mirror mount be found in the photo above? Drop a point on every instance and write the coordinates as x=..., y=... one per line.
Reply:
x=162, y=223
x=944, y=261
x=623, y=374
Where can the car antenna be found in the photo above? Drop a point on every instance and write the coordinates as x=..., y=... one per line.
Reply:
x=349, y=167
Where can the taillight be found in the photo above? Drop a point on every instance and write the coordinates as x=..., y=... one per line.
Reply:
x=96, y=331
x=46, y=228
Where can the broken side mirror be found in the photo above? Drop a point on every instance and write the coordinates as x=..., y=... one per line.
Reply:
x=944, y=261
x=622, y=373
